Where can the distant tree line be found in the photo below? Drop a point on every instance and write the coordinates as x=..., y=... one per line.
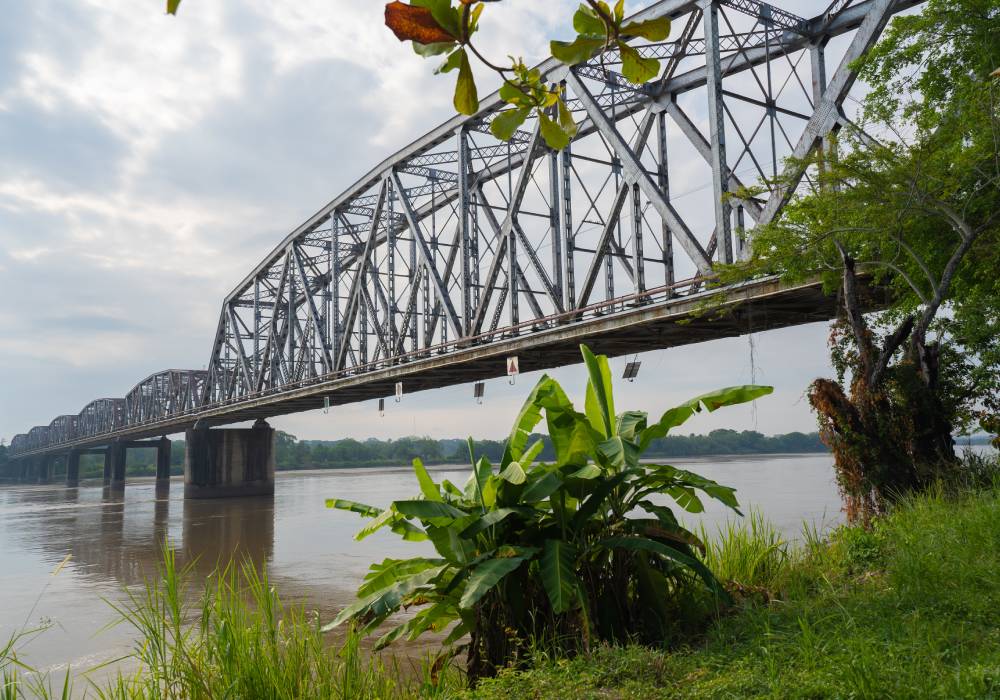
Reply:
x=313, y=454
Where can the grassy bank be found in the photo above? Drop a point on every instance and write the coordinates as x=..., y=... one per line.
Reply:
x=908, y=610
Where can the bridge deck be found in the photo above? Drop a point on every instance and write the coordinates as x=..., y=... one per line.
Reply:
x=754, y=306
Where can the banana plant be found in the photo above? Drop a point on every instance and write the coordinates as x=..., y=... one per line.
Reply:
x=581, y=549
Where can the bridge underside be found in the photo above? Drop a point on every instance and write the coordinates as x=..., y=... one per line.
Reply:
x=753, y=307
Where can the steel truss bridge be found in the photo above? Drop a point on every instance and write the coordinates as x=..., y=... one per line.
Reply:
x=460, y=250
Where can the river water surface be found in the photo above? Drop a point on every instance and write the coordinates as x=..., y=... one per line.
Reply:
x=114, y=539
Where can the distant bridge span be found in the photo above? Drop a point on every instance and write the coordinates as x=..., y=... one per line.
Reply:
x=460, y=250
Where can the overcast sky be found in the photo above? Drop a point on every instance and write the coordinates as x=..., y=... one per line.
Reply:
x=148, y=162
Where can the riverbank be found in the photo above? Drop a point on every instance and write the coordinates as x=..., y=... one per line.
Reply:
x=907, y=610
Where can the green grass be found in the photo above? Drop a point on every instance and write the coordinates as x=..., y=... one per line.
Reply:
x=237, y=640
x=908, y=609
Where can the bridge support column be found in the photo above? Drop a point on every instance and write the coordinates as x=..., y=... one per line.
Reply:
x=163, y=461
x=44, y=469
x=73, y=468
x=114, y=464
x=229, y=462
x=26, y=468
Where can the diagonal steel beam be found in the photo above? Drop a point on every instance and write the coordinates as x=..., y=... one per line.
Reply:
x=704, y=149
x=325, y=357
x=636, y=174
x=826, y=114
x=353, y=297
x=425, y=253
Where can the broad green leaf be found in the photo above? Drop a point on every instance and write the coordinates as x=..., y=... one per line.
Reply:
x=512, y=94
x=172, y=6
x=451, y=489
x=407, y=530
x=620, y=453
x=490, y=519
x=485, y=576
x=590, y=471
x=453, y=61
x=450, y=545
x=527, y=419
x=630, y=423
x=507, y=122
x=532, y=452
x=434, y=618
x=353, y=506
x=513, y=473
x=635, y=67
x=557, y=565
x=595, y=501
x=391, y=570
x=652, y=29
x=730, y=396
x=427, y=486
x=600, y=396
x=619, y=11
x=658, y=530
x=437, y=513
x=586, y=21
x=644, y=544
x=542, y=488
x=566, y=120
x=466, y=95
x=371, y=610
x=686, y=499
x=711, y=401
x=577, y=51
x=554, y=136
x=381, y=520
x=429, y=50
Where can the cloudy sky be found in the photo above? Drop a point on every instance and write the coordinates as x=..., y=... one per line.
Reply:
x=148, y=162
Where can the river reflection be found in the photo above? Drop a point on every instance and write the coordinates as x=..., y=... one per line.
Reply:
x=115, y=537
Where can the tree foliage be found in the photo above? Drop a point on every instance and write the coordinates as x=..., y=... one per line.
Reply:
x=914, y=209
x=578, y=550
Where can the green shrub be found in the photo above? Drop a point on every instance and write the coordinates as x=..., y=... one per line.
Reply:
x=564, y=554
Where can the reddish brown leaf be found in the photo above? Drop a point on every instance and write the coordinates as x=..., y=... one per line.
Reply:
x=411, y=23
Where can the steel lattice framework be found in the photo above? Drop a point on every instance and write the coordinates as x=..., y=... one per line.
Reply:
x=460, y=240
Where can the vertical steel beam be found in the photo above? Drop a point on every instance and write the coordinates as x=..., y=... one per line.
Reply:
x=335, y=338
x=464, y=222
x=555, y=230
x=717, y=127
x=663, y=180
x=566, y=218
x=638, y=262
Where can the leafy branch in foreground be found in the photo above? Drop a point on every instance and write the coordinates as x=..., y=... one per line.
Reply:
x=581, y=550
x=437, y=27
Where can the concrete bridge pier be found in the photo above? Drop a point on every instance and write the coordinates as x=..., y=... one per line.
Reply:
x=73, y=468
x=44, y=468
x=229, y=462
x=163, y=462
x=114, y=464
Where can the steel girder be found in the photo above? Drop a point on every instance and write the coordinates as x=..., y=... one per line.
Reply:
x=164, y=394
x=459, y=239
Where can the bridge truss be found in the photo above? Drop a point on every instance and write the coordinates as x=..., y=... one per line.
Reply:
x=460, y=240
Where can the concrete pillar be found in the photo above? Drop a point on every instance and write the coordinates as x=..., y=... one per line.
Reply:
x=73, y=468
x=107, y=466
x=163, y=461
x=44, y=469
x=114, y=463
x=229, y=462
